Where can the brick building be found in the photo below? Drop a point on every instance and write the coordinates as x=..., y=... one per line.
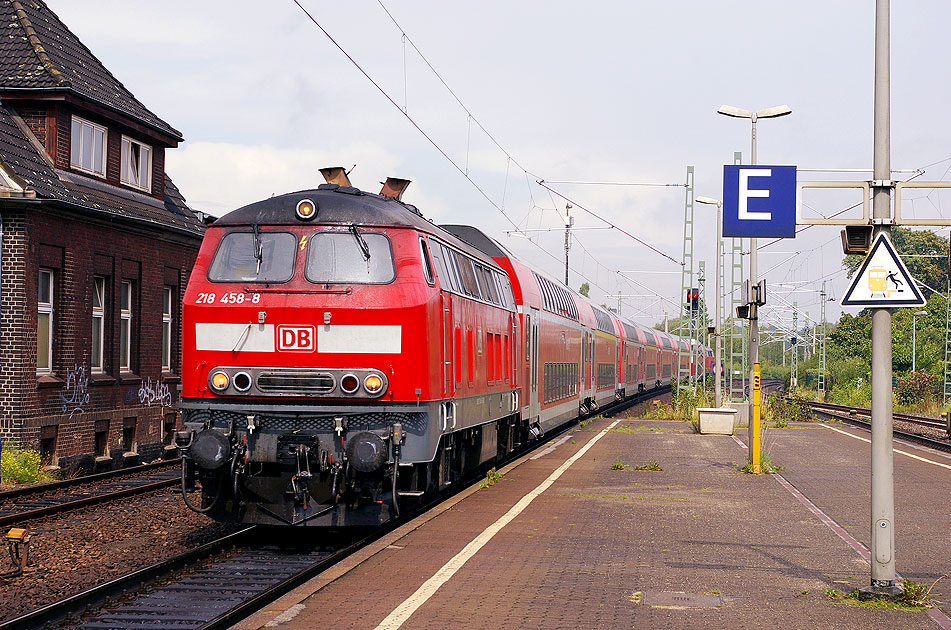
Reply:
x=96, y=244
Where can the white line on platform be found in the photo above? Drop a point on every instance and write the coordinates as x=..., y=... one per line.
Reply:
x=906, y=453
x=551, y=449
x=404, y=611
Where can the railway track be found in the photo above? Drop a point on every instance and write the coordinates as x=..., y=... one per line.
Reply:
x=219, y=583
x=23, y=504
x=862, y=417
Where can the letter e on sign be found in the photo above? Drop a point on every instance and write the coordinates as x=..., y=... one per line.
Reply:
x=296, y=338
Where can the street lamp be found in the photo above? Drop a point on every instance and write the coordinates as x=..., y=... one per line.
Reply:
x=736, y=112
x=717, y=395
x=914, y=322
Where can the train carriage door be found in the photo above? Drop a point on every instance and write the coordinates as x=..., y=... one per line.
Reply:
x=448, y=353
x=587, y=350
x=534, y=409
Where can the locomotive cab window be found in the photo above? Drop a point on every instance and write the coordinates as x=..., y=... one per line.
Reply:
x=355, y=256
x=427, y=266
x=254, y=257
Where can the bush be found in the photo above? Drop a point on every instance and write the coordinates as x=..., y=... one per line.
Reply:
x=851, y=372
x=785, y=409
x=851, y=396
x=685, y=401
x=917, y=388
x=19, y=465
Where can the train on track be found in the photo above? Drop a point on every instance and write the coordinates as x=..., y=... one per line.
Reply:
x=343, y=356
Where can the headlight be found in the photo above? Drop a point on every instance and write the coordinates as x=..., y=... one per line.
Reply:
x=349, y=383
x=373, y=384
x=306, y=210
x=219, y=381
x=242, y=381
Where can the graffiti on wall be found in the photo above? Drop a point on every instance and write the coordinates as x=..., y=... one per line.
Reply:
x=75, y=394
x=154, y=393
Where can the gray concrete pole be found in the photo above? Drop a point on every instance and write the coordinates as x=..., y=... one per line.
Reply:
x=882, y=481
x=754, y=314
x=718, y=334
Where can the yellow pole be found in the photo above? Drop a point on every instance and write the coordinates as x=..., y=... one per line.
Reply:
x=754, y=447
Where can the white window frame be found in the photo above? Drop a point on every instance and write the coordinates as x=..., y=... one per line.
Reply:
x=125, y=165
x=76, y=147
x=167, y=329
x=41, y=309
x=125, y=326
x=96, y=359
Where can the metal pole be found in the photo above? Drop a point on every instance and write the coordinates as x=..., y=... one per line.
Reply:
x=718, y=336
x=882, y=480
x=754, y=337
x=914, y=345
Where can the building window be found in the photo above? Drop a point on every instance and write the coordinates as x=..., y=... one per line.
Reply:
x=125, y=326
x=44, y=322
x=167, y=329
x=88, y=147
x=98, y=319
x=136, y=167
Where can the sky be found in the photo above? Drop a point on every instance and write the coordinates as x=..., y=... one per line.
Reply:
x=476, y=102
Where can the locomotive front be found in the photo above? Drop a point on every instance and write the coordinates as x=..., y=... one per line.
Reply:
x=304, y=386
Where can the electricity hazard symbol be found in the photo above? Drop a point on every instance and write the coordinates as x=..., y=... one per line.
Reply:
x=883, y=280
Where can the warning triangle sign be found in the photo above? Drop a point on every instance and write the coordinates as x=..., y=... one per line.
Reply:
x=883, y=280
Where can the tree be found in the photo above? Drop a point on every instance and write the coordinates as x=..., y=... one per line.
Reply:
x=585, y=288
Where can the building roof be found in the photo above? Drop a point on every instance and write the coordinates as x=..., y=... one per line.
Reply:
x=39, y=53
x=27, y=165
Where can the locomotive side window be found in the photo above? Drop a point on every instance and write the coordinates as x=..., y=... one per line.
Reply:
x=335, y=257
x=443, y=268
x=237, y=261
x=427, y=265
x=469, y=283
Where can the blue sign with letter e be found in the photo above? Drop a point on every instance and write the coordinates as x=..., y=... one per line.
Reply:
x=759, y=201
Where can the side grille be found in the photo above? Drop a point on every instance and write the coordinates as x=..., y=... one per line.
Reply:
x=304, y=382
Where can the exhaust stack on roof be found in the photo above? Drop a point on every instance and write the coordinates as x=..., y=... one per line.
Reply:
x=335, y=175
x=394, y=187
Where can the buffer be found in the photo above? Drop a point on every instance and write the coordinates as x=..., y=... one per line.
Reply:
x=883, y=280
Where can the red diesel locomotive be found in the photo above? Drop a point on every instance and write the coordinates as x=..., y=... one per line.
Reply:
x=343, y=356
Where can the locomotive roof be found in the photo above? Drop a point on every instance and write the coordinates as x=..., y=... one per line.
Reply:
x=335, y=204
x=345, y=205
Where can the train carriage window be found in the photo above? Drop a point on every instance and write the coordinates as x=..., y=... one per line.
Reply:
x=489, y=282
x=236, y=260
x=334, y=257
x=427, y=264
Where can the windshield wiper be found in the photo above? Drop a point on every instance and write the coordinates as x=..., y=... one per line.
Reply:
x=364, y=248
x=258, y=248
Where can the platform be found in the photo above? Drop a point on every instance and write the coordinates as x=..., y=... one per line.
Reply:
x=565, y=541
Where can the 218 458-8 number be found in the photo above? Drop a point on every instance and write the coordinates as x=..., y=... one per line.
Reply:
x=228, y=298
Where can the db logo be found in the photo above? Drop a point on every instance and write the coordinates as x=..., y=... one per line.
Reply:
x=296, y=338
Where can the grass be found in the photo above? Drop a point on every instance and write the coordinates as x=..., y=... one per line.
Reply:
x=914, y=596
x=618, y=465
x=22, y=465
x=765, y=463
x=492, y=477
